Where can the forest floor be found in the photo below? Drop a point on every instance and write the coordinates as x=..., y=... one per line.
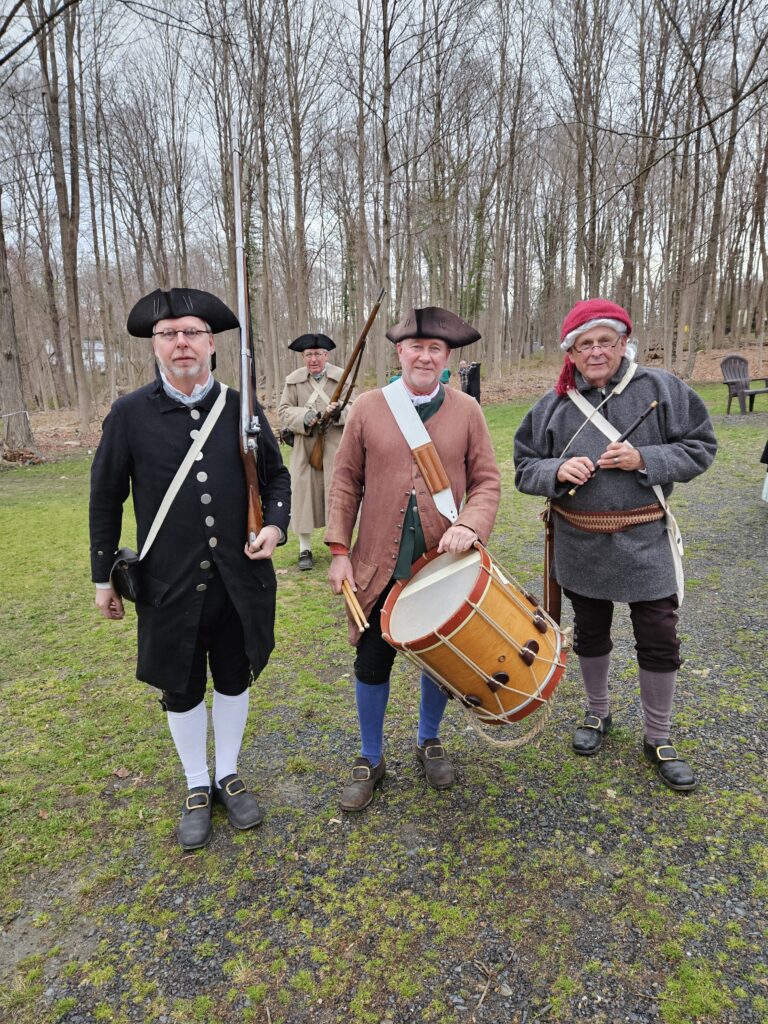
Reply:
x=58, y=434
x=544, y=887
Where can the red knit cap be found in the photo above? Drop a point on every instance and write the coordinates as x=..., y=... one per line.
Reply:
x=594, y=309
x=583, y=313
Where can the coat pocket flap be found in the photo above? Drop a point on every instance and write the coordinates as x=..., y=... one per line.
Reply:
x=364, y=573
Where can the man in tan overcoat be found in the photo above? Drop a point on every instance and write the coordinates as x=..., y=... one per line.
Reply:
x=306, y=396
x=399, y=522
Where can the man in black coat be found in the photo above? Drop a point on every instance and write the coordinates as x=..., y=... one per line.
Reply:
x=208, y=598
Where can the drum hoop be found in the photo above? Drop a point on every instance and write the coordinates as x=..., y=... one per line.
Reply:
x=484, y=713
x=477, y=591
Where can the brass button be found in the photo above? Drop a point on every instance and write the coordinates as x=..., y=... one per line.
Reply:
x=205, y=499
x=209, y=520
x=201, y=586
x=212, y=542
x=205, y=565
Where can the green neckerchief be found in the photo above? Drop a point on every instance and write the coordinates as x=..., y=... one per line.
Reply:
x=412, y=543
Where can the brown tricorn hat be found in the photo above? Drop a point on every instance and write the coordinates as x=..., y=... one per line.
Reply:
x=434, y=322
x=159, y=305
x=305, y=341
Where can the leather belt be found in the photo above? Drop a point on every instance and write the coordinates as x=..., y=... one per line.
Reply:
x=610, y=522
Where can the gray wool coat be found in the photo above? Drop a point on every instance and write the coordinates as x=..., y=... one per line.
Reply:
x=677, y=443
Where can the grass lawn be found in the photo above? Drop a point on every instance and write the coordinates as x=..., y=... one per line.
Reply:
x=542, y=887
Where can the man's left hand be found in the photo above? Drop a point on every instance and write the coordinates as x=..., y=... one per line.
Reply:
x=621, y=455
x=264, y=544
x=457, y=539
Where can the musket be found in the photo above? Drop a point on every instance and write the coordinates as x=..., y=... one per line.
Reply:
x=249, y=421
x=316, y=455
x=552, y=590
x=622, y=437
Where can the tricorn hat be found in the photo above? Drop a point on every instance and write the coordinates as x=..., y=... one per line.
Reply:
x=159, y=305
x=305, y=341
x=434, y=322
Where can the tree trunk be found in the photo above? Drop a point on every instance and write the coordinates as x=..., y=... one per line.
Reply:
x=16, y=430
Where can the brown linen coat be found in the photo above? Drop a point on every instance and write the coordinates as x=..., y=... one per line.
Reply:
x=309, y=487
x=375, y=472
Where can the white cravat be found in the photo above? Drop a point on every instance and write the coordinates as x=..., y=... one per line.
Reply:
x=199, y=391
x=420, y=399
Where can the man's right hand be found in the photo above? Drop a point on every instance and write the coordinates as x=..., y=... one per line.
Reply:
x=576, y=470
x=340, y=570
x=109, y=603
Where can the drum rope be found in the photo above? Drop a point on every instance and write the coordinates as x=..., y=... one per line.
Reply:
x=517, y=741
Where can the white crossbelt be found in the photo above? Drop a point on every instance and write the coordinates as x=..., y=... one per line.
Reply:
x=673, y=531
x=417, y=436
x=195, y=448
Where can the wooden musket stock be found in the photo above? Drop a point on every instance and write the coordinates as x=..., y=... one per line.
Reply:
x=316, y=455
x=249, y=422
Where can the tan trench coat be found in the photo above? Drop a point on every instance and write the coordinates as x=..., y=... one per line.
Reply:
x=309, y=487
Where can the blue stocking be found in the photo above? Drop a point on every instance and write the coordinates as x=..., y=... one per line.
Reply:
x=371, y=705
x=433, y=701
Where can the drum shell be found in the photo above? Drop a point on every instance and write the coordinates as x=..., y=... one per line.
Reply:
x=483, y=638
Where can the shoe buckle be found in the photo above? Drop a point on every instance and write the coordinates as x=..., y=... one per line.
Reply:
x=593, y=722
x=235, y=792
x=192, y=806
x=666, y=752
x=435, y=752
x=361, y=773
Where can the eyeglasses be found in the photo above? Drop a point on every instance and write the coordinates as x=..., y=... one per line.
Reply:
x=587, y=346
x=190, y=333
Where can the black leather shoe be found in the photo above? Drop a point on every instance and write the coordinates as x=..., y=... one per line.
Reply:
x=358, y=792
x=674, y=771
x=194, y=828
x=588, y=738
x=242, y=810
x=305, y=560
x=438, y=770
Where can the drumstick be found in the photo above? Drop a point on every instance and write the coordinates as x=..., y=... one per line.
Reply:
x=621, y=437
x=354, y=606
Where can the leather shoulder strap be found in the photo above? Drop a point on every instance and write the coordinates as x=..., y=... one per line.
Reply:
x=422, y=446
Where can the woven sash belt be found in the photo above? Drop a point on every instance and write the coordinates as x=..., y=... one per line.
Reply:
x=610, y=522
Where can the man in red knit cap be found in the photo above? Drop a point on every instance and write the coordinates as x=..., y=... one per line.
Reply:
x=614, y=537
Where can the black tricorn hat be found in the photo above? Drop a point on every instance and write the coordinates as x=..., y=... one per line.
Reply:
x=434, y=322
x=305, y=341
x=159, y=305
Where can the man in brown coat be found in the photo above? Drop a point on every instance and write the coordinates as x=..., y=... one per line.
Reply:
x=399, y=521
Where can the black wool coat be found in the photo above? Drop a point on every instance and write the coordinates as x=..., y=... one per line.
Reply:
x=145, y=438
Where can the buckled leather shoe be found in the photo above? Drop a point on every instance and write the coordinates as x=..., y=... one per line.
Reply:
x=305, y=560
x=438, y=770
x=242, y=809
x=194, y=829
x=673, y=770
x=588, y=737
x=358, y=792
